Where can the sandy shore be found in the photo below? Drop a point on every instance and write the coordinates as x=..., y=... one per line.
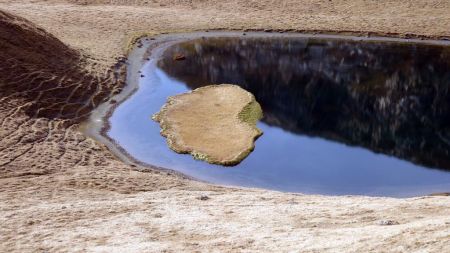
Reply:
x=61, y=191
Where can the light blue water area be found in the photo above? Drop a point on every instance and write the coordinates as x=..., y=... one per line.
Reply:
x=282, y=160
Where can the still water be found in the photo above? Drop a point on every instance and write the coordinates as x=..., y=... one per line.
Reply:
x=341, y=117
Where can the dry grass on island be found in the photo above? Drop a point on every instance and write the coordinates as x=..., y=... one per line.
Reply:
x=215, y=123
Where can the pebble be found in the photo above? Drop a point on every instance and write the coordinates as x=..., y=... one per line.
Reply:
x=387, y=222
x=203, y=197
x=179, y=57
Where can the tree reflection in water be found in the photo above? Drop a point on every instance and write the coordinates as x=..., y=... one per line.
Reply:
x=388, y=97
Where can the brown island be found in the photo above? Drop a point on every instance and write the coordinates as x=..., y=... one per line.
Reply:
x=215, y=123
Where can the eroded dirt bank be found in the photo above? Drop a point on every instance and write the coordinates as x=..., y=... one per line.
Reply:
x=63, y=192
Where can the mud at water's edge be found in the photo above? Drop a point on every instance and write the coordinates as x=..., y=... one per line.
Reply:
x=152, y=48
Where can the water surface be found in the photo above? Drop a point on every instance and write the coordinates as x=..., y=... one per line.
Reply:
x=341, y=117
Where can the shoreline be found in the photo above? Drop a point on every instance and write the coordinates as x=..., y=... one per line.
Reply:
x=62, y=191
x=151, y=48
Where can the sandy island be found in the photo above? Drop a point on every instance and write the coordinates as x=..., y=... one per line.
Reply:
x=61, y=191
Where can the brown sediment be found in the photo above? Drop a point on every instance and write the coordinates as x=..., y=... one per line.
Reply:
x=52, y=80
x=215, y=123
x=61, y=191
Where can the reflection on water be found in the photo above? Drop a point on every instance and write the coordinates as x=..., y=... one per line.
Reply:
x=390, y=98
x=340, y=117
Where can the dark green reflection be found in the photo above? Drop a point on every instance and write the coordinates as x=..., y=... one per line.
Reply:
x=388, y=97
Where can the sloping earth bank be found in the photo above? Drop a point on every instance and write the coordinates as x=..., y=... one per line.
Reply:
x=61, y=191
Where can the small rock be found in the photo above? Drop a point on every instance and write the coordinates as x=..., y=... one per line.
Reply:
x=142, y=75
x=179, y=57
x=387, y=222
x=267, y=30
x=113, y=101
x=203, y=197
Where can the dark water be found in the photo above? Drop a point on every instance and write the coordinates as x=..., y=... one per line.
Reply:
x=341, y=117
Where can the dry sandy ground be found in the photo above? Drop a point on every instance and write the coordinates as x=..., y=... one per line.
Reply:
x=63, y=192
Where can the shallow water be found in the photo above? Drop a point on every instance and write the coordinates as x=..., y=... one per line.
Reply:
x=341, y=117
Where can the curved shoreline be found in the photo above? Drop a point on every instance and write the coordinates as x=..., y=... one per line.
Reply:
x=152, y=48
x=64, y=191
